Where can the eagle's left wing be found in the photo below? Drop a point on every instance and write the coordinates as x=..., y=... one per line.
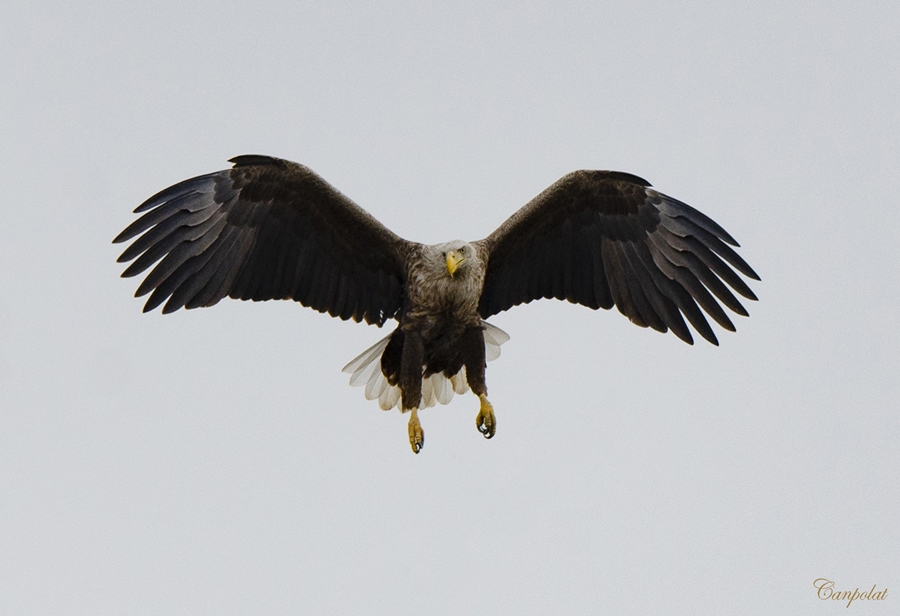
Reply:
x=599, y=238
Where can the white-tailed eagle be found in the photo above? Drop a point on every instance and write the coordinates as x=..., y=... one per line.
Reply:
x=272, y=229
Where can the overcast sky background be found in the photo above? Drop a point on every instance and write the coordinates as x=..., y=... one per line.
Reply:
x=216, y=461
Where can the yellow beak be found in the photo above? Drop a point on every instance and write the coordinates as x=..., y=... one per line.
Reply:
x=454, y=259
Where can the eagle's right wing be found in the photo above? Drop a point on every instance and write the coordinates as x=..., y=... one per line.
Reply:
x=265, y=229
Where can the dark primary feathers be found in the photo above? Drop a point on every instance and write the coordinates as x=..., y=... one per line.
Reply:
x=265, y=229
x=599, y=238
x=272, y=229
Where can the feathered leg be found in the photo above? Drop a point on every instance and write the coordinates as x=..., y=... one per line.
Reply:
x=473, y=345
x=411, y=363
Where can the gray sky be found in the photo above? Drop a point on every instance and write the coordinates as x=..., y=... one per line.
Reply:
x=215, y=460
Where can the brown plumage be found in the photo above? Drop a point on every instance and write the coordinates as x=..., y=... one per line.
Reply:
x=273, y=229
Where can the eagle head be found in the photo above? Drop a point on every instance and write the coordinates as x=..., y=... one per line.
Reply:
x=448, y=276
x=459, y=259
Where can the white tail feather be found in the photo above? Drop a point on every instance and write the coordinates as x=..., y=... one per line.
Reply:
x=493, y=338
x=459, y=382
x=442, y=390
x=427, y=392
x=359, y=367
x=389, y=398
x=365, y=370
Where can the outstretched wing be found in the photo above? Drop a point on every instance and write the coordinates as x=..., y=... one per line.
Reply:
x=265, y=229
x=599, y=238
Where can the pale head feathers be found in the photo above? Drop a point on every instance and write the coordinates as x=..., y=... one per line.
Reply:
x=433, y=289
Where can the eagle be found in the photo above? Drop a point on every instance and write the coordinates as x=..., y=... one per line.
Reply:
x=269, y=229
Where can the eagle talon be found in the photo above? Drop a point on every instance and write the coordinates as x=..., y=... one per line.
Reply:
x=416, y=434
x=486, y=422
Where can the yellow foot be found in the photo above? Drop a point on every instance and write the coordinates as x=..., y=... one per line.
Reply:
x=416, y=435
x=486, y=422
